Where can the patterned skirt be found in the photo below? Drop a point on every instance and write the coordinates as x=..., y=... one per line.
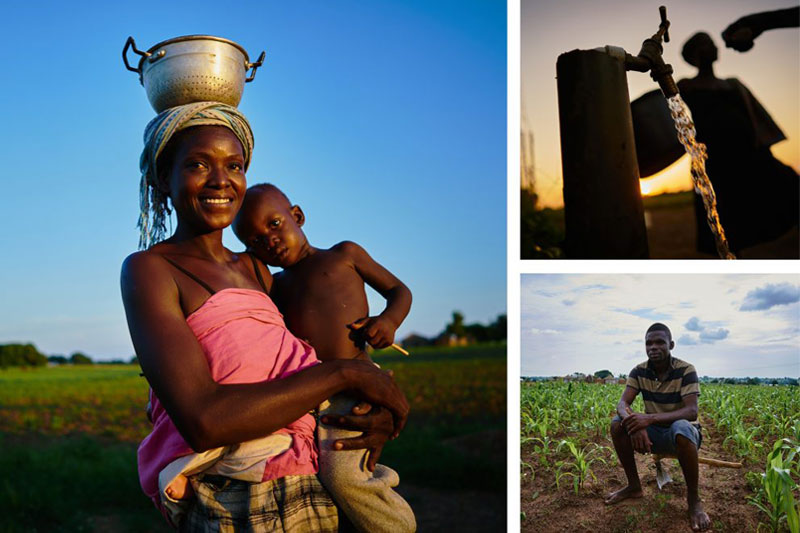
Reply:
x=293, y=504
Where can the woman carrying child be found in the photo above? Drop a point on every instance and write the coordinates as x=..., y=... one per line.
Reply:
x=200, y=317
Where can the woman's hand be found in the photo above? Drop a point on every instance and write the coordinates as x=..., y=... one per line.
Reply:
x=377, y=387
x=376, y=424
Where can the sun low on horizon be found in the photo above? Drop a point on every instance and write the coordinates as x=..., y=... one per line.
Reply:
x=674, y=178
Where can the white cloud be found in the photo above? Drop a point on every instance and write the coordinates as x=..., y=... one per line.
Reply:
x=605, y=326
x=693, y=324
x=537, y=331
x=711, y=336
x=771, y=295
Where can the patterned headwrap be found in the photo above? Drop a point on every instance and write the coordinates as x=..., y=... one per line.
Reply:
x=152, y=200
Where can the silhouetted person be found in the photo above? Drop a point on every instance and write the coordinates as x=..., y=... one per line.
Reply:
x=757, y=195
x=740, y=34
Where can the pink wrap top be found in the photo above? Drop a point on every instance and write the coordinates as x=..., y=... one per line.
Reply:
x=245, y=340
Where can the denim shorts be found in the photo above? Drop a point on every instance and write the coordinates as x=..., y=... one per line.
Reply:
x=663, y=438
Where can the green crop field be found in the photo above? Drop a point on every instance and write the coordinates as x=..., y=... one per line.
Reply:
x=68, y=437
x=569, y=463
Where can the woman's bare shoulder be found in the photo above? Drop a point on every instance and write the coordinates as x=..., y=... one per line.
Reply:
x=144, y=266
x=142, y=260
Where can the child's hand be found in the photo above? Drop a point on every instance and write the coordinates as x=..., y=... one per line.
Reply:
x=378, y=331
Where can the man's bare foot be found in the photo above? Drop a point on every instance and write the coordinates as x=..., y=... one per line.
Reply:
x=698, y=517
x=179, y=489
x=624, y=494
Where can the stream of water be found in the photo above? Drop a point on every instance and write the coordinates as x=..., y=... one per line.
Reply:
x=702, y=185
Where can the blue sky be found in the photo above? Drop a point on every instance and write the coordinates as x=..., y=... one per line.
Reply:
x=385, y=121
x=724, y=324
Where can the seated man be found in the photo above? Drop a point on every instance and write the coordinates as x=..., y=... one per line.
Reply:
x=669, y=389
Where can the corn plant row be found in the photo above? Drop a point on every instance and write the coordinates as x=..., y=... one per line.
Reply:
x=564, y=430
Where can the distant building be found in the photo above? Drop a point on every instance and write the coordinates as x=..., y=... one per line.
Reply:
x=451, y=339
x=415, y=341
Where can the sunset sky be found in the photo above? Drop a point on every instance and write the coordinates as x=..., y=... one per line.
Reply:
x=725, y=325
x=771, y=70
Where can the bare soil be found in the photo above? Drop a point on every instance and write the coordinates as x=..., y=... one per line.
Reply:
x=724, y=492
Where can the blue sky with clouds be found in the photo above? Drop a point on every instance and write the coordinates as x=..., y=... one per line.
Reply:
x=726, y=325
x=384, y=120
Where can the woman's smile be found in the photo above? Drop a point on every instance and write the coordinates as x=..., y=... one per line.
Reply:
x=216, y=201
x=207, y=182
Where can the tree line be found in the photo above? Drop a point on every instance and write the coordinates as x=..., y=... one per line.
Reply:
x=27, y=355
x=457, y=332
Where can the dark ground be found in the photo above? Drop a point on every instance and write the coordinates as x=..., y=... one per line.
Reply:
x=671, y=232
x=671, y=235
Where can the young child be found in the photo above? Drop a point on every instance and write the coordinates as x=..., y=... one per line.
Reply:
x=321, y=295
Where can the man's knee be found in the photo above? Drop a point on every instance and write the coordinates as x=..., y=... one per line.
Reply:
x=685, y=434
x=680, y=426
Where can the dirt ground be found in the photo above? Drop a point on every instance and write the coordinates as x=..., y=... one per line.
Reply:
x=671, y=234
x=462, y=511
x=724, y=493
x=456, y=511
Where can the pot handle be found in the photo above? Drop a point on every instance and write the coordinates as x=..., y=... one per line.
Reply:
x=254, y=66
x=128, y=44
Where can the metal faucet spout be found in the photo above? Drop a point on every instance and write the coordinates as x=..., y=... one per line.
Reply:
x=650, y=58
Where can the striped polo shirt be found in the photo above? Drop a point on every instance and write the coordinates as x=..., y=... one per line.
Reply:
x=664, y=396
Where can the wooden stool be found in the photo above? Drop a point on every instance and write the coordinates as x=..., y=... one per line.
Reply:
x=663, y=477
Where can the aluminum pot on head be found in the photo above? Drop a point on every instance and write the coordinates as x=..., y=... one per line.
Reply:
x=192, y=68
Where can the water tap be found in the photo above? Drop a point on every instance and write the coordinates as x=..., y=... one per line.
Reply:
x=650, y=58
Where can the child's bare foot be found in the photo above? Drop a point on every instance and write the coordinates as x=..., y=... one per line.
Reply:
x=624, y=494
x=698, y=517
x=180, y=488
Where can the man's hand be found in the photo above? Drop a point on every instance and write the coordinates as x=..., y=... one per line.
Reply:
x=641, y=442
x=376, y=423
x=741, y=34
x=635, y=422
x=378, y=331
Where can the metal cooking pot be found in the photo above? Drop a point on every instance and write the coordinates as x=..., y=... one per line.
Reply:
x=657, y=145
x=193, y=68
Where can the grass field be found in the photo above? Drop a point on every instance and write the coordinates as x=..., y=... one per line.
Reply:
x=68, y=437
x=563, y=485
